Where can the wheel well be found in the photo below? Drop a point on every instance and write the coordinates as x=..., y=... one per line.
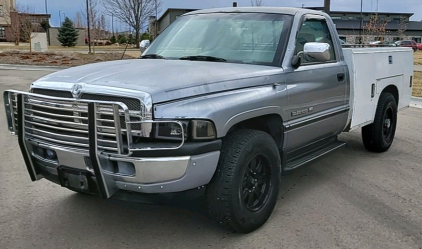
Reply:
x=394, y=91
x=271, y=124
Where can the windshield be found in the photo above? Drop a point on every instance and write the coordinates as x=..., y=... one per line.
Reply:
x=252, y=38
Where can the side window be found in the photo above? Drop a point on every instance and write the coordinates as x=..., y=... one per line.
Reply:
x=314, y=31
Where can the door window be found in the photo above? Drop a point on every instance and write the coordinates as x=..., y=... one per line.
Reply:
x=314, y=31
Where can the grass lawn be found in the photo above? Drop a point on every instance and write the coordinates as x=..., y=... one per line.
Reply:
x=417, y=85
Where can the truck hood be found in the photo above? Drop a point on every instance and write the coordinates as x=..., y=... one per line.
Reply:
x=164, y=80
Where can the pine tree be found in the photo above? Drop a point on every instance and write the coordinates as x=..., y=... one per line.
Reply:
x=113, y=39
x=68, y=35
x=121, y=39
x=130, y=39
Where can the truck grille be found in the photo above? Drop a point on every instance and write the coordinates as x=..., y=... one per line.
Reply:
x=132, y=104
x=138, y=110
x=65, y=123
x=53, y=93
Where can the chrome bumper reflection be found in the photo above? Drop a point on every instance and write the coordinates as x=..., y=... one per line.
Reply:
x=149, y=175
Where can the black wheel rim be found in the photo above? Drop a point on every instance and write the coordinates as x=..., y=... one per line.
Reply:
x=388, y=125
x=256, y=184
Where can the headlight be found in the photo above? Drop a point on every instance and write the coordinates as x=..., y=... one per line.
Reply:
x=172, y=131
x=202, y=129
x=192, y=130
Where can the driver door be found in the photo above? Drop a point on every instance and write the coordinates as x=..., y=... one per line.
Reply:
x=317, y=90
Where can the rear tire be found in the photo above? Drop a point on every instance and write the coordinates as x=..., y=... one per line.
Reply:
x=378, y=136
x=244, y=190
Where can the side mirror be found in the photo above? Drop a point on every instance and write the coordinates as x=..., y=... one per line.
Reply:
x=296, y=61
x=320, y=52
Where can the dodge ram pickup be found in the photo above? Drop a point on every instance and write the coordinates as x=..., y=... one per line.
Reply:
x=224, y=100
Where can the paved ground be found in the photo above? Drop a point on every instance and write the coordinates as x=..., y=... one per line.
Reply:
x=351, y=199
x=418, y=67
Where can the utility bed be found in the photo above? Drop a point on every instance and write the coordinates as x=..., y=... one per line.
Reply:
x=371, y=70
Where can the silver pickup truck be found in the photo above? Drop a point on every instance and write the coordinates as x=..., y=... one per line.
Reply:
x=224, y=101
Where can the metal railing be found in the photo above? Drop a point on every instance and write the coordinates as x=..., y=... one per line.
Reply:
x=65, y=122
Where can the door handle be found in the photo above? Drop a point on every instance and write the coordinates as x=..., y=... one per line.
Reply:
x=340, y=77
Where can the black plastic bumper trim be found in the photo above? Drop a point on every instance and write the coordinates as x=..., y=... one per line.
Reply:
x=188, y=149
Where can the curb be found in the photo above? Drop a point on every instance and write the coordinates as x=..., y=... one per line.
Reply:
x=416, y=102
x=30, y=67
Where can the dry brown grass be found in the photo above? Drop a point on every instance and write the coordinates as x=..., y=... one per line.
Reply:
x=417, y=84
x=418, y=57
x=68, y=59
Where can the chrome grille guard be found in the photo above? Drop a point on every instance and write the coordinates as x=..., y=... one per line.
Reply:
x=87, y=132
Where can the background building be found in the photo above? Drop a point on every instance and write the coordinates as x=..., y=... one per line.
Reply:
x=165, y=20
x=18, y=26
x=375, y=26
x=7, y=7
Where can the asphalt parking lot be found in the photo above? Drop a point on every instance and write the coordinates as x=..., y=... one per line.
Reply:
x=350, y=199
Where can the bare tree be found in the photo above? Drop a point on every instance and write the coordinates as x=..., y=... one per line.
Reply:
x=375, y=27
x=103, y=26
x=257, y=3
x=134, y=13
x=402, y=27
x=28, y=29
x=78, y=22
x=94, y=16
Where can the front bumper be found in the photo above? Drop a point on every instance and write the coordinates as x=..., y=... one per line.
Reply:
x=112, y=173
x=148, y=175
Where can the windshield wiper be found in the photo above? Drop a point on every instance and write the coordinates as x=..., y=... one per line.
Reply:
x=202, y=58
x=152, y=56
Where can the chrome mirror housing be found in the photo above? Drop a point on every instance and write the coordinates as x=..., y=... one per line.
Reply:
x=318, y=51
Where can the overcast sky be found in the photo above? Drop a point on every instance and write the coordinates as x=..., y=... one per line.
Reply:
x=70, y=7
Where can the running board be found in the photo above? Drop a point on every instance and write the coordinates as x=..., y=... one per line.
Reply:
x=314, y=155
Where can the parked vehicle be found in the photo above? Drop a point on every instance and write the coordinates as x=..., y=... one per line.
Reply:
x=383, y=44
x=144, y=44
x=420, y=46
x=389, y=43
x=225, y=117
x=410, y=44
x=344, y=43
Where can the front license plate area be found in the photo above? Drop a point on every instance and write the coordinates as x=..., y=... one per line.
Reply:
x=78, y=180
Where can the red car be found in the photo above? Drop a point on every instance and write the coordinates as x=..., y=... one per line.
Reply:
x=410, y=44
x=420, y=46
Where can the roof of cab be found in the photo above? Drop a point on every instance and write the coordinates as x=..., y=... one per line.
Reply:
x=270, y=10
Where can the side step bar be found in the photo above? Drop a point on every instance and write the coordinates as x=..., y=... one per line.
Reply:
x=324, y=150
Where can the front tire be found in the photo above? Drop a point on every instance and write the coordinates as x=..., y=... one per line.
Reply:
x=378, y=136
x=244, y=190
